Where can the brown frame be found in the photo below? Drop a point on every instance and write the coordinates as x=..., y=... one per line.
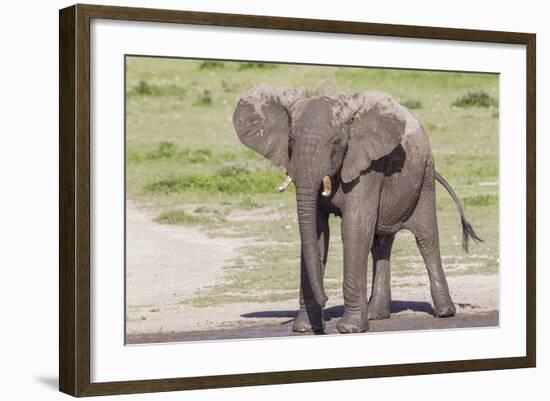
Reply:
x=74, y=199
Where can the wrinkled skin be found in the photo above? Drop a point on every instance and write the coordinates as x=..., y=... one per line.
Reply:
x=383, y=180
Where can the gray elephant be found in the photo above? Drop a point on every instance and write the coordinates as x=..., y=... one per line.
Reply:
x=362, y=157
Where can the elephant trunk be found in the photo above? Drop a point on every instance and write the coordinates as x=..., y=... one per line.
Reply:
x=306, y=199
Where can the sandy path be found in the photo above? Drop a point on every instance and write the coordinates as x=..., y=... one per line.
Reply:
x=167, y=265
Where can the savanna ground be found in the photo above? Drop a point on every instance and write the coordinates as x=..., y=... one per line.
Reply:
x=212, y=246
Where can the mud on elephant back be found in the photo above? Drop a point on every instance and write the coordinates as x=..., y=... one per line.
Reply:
x=362, y=157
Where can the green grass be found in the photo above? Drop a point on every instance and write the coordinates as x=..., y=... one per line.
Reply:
x=467, y=169
x=185, y=161
x=481, y=200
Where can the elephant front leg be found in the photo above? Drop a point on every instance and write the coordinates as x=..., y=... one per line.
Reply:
x=310, y=315
x=357, y=237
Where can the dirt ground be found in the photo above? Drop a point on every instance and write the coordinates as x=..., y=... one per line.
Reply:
x=167, y=264
x=401, y=322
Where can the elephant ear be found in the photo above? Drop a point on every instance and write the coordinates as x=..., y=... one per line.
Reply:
x=377, y=128
x=262, y=121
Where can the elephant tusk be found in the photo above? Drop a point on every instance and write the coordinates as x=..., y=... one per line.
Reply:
x=327, y=188
x=285, y=184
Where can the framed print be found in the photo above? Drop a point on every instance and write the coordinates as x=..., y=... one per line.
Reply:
x=307, y=198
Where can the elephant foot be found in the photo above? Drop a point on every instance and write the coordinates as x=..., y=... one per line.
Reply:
x=445, y=307
x=352, y=323
x=379, y=309
x=446, y=310
x=443, y=304
x=309, y=321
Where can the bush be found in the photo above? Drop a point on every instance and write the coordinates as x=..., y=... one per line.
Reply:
x=256, y=66
x=249, y=203
x=165, y=150
x=180, y=217
x=146, y=89
x=227, y=180
x=204, y=99
x=412, y=104
x=199, y=155
x=211, y=65
x=170, y=151
x=476, y=99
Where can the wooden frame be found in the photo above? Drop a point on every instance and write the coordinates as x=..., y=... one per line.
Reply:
x=74, y=199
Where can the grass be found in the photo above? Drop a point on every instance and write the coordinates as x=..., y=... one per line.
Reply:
x=481, y=200
x=467, y=169
x=185, y=161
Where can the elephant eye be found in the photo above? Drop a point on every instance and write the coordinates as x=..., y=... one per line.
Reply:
x=336, y=156
x=336, y=146
x=290, y=143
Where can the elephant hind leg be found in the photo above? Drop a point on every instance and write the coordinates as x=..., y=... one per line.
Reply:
x=423, y=224
x=380, y=300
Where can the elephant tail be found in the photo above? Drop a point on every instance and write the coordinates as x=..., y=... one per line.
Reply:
x=467, y=229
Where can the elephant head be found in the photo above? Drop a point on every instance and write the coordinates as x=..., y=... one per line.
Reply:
x=316, y=139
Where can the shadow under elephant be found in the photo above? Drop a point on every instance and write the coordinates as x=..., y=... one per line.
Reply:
x=337, y=311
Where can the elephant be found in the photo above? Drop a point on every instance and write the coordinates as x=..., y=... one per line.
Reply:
x=362, y=157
